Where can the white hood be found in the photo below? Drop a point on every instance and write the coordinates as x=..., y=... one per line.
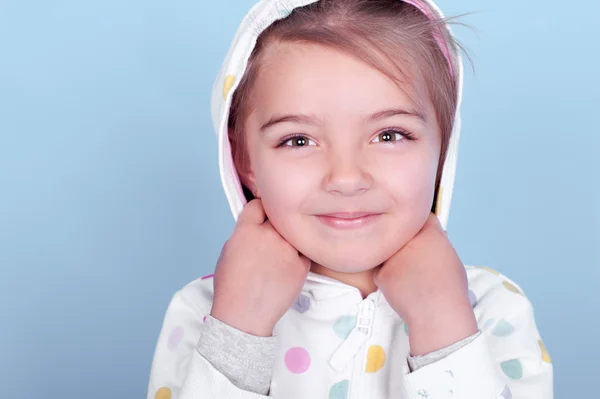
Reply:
x=263, y=14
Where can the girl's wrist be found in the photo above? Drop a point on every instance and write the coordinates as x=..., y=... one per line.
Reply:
x=440, y=329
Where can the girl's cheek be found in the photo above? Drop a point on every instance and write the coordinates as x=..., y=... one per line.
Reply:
x=412, y=182
x=287, y=187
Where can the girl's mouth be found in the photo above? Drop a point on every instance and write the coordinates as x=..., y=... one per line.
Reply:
x=348, y=220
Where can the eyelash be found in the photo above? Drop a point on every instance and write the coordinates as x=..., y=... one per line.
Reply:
x=407, y=135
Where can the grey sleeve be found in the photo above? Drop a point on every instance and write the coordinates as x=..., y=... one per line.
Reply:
x=417, y=362
x=246, y=360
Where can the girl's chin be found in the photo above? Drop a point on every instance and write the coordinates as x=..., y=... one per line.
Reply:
x=358, y=261
x=360, y=278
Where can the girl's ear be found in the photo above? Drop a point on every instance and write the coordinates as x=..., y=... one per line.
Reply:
x=248, y=180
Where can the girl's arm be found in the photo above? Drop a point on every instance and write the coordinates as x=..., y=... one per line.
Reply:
x=246, y=360
x=508, y=360
x=179, y=371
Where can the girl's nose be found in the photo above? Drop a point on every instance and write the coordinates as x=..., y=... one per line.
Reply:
x=347, y=176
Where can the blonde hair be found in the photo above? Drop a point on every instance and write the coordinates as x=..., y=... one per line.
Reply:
x=390, y=35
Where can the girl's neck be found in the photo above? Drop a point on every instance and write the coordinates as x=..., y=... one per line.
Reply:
x=361, y=280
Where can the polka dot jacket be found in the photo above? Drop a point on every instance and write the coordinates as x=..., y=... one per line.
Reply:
x=321, y=352
x=333, y=343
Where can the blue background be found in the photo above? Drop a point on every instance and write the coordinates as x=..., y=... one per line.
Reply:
x=110, y=199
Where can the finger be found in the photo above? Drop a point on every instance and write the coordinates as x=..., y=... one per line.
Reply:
x=253, y=213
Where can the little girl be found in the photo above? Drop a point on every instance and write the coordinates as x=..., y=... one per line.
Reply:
x=338, y=126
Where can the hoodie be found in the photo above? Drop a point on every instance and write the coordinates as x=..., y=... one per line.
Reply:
x=333, y=343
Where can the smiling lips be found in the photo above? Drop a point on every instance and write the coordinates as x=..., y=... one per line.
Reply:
x=348, y=220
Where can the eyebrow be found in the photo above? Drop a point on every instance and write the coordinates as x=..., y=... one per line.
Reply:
x=388, y=113
x=311, y=120
x=295, y=118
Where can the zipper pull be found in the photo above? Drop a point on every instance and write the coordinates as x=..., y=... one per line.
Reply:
x=358, y=336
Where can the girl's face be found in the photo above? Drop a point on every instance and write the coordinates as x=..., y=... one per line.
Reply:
x=328, y=133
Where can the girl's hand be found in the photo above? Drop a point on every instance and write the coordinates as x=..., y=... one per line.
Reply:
x=426, y=284
x=258, y=276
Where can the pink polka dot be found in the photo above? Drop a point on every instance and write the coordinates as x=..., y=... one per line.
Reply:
x=175, y=337
x=297, y=360
x=204, y=319
x=209, y=276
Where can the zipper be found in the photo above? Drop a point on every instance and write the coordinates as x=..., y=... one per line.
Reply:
x=356, y=339
x=358, y=371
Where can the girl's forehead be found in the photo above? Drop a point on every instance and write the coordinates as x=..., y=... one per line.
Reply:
x=320, y=78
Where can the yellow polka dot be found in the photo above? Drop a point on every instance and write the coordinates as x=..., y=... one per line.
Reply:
x=229, y=81
x=438, y=202
x=375, y=359
x=489, y=269
x=512, y=288
x=163, y=393
x=545, y=354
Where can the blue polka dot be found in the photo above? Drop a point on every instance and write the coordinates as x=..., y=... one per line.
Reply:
x=343, y=325
x=406, y=328
x=503, y=329
x=339, y=390
x=513, y=369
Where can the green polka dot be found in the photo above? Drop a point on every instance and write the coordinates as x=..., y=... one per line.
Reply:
x=513, y=369
x=339, y=390
x=343, y=325
x=406, y=328
x=503, y=329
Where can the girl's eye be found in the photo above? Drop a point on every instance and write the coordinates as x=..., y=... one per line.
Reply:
x=390, y=136
x=296, y=141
